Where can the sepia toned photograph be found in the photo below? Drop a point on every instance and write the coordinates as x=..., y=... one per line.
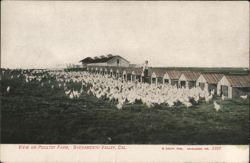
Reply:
x=133, y=73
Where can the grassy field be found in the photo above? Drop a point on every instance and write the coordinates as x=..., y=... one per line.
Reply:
x=34, y=114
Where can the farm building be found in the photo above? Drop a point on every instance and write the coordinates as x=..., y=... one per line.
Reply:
x=96, y=70
x=166, y=79
x=172, y=77
x=111, y=71
x=209, y=81
x=232, y=86
x=92, y=69
x=164, y=76
x=153, y=78
x=124, y=75
x=188, y=79
x=101, y=70
x=156, y=75
x=85, y=61
x=118, y=72
x=127, y=73
x=132, y=74
x=109, y=60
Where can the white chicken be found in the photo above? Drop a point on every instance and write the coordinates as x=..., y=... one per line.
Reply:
x=71, y=96
x=129, y=92
x=8, y=89
x=67, y=92
x=222, y=97
x=187, y=104
x=216, y=106
x=212, y=92
x=243, y=97
x=208, y=98
x=119, y=106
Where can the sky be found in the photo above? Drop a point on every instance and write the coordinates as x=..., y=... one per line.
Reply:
x=42, y=34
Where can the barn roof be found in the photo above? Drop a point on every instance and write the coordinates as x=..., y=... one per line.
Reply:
x=212, y=78
x=101, y=59
x=87, y=60
x=173, y=74
x=97, y=59
x=238, y=81
x=129, y=70
x=160, y=72
x=191, y=75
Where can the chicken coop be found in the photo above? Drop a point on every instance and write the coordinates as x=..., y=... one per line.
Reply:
x=156, y=75
x=188, y=79
x=166, y=79
x=209, y=81
x=233, y=86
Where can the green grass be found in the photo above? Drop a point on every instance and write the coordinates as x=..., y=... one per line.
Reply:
x=32, y=114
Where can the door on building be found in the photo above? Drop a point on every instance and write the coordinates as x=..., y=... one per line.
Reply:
x=166, y=81
x=202, y=85
x=183, y=83
x=212, y=87
x=174, y=83
x=118, y=62
x=191, y=84
x=153, y=80
x=125, y=77
x=138, y=78
x=224, y=90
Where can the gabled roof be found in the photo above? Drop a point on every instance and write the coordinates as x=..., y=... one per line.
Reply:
x=129, y=70
x=113, y=57
x=87, y=60
x=173, y=74
x=238, y=81
x=212, y=78
x=159, y=72
x=190, y=75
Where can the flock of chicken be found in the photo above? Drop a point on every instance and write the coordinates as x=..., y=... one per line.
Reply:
x=126, y=92
x=123, y=92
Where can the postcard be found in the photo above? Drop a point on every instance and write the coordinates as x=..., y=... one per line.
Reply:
x=124, y=81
